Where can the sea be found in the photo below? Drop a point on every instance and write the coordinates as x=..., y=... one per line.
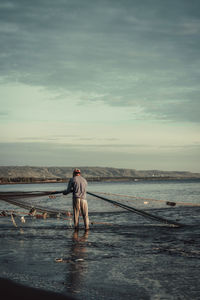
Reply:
x=124, y=255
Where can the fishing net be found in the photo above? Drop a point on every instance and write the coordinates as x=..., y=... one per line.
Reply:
x=18, y=199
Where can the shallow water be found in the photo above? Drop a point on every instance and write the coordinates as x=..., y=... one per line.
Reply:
x=122, y=256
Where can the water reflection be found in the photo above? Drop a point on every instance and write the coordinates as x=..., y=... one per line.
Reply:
x=78, y=262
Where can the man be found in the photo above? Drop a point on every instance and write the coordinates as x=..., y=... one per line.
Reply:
x=77, y=186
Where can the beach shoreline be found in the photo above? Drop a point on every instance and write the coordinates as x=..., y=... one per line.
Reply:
x=94, y=179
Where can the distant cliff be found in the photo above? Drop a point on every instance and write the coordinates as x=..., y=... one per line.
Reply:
x=23, y=173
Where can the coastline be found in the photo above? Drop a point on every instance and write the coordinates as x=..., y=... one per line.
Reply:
x=28, y=180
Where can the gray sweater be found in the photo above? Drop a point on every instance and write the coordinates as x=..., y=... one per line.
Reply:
x=77, y=185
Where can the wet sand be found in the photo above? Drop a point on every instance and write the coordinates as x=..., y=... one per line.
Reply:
x=125, y=258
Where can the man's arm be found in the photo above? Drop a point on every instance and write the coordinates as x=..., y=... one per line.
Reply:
x=69, y=188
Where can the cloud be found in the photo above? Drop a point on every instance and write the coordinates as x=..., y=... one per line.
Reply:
x=134, y=54
x=4, y=114
x=50, y=154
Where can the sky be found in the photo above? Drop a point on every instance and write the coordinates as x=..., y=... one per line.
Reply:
x=110, y=83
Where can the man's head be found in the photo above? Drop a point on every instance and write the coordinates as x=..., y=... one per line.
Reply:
x=76, y=172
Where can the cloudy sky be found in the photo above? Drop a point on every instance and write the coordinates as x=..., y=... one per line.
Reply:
x=100, y=83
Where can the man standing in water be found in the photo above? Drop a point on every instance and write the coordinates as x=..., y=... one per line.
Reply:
x=77, y=186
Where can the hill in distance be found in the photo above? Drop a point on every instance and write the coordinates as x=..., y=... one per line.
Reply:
x=55, y=173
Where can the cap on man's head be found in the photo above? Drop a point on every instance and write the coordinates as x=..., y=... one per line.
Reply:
x=76, y=171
